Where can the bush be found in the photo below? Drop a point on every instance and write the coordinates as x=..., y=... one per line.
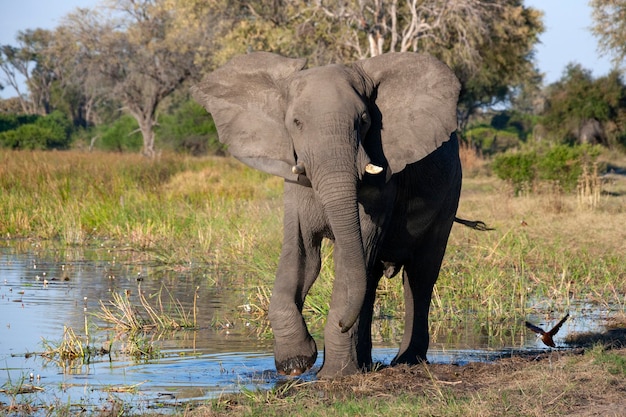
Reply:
x=13, y=121
x=122, y=135
x=559, y=163
x=564, y=164
x=49, y=132
x=189, y=128
x=490, y=140
x=519, y=168
x=60, y=128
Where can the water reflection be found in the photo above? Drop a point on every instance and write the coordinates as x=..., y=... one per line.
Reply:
x=43, y=290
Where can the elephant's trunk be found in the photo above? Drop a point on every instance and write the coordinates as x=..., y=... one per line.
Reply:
x=337, y=189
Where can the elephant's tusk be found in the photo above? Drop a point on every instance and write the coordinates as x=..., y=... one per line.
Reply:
x=298, y=169
x=373, y=169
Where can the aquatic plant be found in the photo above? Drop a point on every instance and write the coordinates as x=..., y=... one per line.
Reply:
x=126, y=316
x=72, y=350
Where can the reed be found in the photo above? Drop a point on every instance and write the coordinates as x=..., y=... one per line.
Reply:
x=145, y=317
x=72, y=351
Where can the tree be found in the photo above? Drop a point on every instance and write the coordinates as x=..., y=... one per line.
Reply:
x=27, y=60
x=78, y=88
x=506, y=67
x=140, y=52
x=609, y=27
x=577, y=98
x=488, y=44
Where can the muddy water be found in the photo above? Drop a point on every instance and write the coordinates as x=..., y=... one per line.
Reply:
x=46, y=290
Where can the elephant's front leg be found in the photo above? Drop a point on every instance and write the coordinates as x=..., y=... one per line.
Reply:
x=340, y=355
x=294, y=348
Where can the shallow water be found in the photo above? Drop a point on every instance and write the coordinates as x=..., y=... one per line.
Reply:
x=43, y=290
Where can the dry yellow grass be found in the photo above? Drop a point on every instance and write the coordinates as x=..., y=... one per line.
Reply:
x=549, y=217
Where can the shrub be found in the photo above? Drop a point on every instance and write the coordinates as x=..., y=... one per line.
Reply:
x=559, y=163
x=121, y=135
x=490, y=140
x=519, y=168
x=60, y=128
x=189, y=129
x=13, y=121
x=48, y=132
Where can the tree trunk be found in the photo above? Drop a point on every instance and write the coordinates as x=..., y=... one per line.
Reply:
x=146, y=124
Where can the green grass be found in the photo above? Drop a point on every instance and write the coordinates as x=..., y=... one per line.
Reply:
x=177, y=210
x=218, y=218
x=547, y=252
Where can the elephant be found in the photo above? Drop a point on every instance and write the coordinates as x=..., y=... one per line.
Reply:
x=591, y=131
x=369, y=156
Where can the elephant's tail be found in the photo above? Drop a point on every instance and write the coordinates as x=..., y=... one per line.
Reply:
x=474, y=224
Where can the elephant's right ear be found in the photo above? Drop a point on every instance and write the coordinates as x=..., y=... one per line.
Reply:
x=244, y=97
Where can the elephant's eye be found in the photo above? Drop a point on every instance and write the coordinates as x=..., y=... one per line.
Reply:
x=365, y=118
x=298, y=123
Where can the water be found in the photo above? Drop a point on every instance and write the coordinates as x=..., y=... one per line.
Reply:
x=46, y=290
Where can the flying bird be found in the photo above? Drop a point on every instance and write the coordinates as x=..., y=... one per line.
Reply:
x=546, y=337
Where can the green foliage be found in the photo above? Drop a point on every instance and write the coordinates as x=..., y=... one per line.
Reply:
x=121, y=135
x=60, y=127
x=13, y=121
x=506, y=129
x=609, y=26
x=577, y=97
x=48, y=132
x=506, y=59
x=100, y=64
x=514, y=121
x=564, y=164
x=517, y=167
x=615, y=364
x=559, y=163
x=189, y=128
x=490, y=140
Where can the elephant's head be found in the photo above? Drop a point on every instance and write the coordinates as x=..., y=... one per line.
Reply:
x=329, y=126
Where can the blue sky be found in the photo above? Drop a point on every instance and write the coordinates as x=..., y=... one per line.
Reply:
x=567, y=37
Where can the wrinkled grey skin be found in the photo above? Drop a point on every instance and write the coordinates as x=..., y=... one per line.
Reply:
x=592, y=132
x=319, y=128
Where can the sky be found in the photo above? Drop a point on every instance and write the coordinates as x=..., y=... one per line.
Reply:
x=567, y=37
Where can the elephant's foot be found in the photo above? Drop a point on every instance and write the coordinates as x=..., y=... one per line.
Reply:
x=295, y=360
x=295, y=366
x=409, y=358
x=334, y=369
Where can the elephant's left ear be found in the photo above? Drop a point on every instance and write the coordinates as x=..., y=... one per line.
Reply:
x=416, y=97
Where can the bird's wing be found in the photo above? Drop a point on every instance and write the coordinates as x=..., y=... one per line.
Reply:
x=556, y=328
x=534, y=328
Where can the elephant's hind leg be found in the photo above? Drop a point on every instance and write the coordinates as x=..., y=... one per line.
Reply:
x=419, y=277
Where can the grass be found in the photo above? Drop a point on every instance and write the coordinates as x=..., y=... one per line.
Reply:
x=550, y=384
x=138, y=324
x=127, y=317
x=217, y=207
x=72, y=351
x=549, y=253
x=549, y=250
x=135, y=324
